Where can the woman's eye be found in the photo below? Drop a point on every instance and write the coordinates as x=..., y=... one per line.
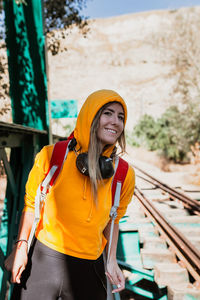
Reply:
x=108, y=113
x=121, y=118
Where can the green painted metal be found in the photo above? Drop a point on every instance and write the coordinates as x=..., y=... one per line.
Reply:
x=17, y=171
x=28, y=90
x=17, y=167
x=26, y=60
x=64, y=109
x=129, y=258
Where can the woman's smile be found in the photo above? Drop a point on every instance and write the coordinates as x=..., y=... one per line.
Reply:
x=111, y=130
x=111, y=124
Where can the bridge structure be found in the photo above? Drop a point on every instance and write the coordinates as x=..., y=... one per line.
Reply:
x=30, y=130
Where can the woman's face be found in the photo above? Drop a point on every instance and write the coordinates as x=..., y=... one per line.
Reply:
x=111, y=124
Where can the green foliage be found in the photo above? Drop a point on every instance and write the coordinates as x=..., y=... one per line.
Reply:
x=146, y=132
x=58, y=14
x=130, y=139
x=173, y=133
x=63, y=13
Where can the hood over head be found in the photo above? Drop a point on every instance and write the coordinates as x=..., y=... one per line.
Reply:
x=88, y=111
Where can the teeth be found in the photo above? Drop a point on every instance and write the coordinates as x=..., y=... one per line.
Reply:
x=111, y=130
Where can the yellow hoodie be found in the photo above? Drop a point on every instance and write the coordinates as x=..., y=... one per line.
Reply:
x=70, y=221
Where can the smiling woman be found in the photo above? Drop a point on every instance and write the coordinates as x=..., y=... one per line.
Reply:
x=75, y=223
x=111, y=124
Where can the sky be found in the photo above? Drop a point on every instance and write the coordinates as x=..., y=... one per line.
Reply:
x=109, y=8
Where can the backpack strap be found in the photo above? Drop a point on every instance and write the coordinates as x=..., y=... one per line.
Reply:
x=58, y=157
x=121, y=169
x=119, y=176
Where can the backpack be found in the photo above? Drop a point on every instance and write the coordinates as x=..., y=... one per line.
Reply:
x=58, y=157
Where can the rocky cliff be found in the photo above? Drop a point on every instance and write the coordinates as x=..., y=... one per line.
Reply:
x=124, y=53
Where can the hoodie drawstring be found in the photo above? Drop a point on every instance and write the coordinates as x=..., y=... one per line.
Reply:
x=91, y=211
x=85, y=198
x=85, y=189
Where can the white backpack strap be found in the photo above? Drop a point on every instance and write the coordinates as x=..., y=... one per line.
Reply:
x=113, y=215
x=113, y=211
x=40, y=198
x=36, y=219
x=46, y=181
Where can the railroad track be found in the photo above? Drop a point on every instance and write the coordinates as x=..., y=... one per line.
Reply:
x=183, y=248
x=189, y=203
x=186, y=256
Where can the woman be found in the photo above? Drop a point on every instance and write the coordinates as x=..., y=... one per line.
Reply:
x=66, y=260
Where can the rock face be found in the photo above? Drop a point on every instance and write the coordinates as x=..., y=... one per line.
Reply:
x=120, y=53
x=142, y=56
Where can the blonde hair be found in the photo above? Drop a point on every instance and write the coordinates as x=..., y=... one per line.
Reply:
x=95, y=150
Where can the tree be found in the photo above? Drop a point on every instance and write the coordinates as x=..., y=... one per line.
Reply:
x=179, y=42
x=178, y=128
x=63, y=13
x=60, y=14
x=173, y=134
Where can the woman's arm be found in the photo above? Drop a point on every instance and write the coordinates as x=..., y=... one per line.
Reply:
x=17, y=260
x=113, y=271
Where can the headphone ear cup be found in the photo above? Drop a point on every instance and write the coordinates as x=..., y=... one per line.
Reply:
x=106, y=167
x=82, y=163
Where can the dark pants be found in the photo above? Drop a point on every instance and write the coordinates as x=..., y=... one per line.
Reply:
x=51, y=275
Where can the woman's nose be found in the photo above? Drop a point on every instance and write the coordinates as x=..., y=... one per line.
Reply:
x=115, y=119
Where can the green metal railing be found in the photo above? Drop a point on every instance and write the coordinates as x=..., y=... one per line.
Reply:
x=142, y=283
x=25, y=42
x=18, y=146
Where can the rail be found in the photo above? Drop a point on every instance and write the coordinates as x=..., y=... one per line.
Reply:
x=188, y=202
x=182, y=247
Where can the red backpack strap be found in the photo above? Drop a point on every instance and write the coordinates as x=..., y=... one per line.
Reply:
x=58, y=157
x=117, y=183
x=120, y=175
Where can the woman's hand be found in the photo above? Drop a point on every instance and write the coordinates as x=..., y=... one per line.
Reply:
x=17, y=261
x=115, y=275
